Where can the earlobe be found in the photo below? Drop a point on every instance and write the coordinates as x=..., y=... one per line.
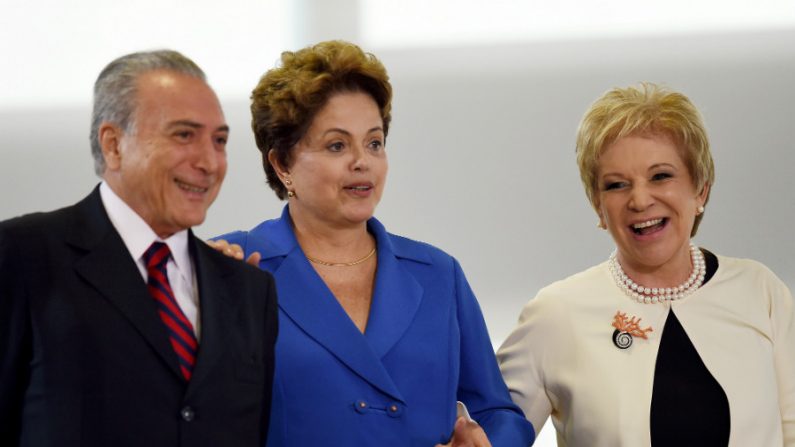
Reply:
x=702, y=196
x=110, y=141
x=601, y=223
x=280, y=171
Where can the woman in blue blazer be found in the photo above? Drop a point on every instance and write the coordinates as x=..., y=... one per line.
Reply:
x=379, y=335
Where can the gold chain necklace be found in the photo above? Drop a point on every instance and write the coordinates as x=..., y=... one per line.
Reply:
x=342, y=264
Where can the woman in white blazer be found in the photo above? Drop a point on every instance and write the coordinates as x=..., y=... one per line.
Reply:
x=664, y=343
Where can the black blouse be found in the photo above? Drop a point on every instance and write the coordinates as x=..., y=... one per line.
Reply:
x=688, y=406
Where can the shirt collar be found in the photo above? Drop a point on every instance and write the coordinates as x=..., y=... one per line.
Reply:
x=137, y=234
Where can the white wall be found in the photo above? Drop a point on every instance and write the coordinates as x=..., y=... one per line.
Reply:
x=483, y=149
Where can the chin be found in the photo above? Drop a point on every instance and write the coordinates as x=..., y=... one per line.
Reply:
x=191, y=219
x=360, y=216
x=653, y=257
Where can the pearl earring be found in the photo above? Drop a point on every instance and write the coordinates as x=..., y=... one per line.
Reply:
x=290, y=194
x=700, y=209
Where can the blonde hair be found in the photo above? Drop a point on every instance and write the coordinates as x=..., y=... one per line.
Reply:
x=645, y=109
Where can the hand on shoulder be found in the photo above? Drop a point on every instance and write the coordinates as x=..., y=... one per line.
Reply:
x=234, y=251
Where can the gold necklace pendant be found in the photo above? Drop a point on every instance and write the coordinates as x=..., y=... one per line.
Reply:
x=342, y=264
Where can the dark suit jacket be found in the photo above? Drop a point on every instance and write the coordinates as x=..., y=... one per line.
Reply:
x=85, y=359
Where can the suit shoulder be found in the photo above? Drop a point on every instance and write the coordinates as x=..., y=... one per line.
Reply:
x=749, y=271
x=733, y=265
x=35, y=224
x=418, y=251
x=575, y=286
x=233, y=237
x=230, y=264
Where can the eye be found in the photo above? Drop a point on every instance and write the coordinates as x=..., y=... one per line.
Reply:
x=183, y=136
x=336, y=146
x=661, y=176
x=221, y=140
x=376, y=145
x=614, y=185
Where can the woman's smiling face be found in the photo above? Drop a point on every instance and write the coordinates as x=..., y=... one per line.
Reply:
x=648, y=202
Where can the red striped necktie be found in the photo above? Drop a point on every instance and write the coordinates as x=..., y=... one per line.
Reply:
x=180, y=329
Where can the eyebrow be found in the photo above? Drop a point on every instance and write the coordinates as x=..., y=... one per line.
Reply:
x=345, y=132
x=195, y=125
x=651, y=168
x=662, y=165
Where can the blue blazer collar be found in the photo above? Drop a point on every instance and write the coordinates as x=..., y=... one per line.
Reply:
x=308, y=302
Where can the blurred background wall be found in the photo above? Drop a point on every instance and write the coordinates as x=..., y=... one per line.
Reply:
x=488, y=95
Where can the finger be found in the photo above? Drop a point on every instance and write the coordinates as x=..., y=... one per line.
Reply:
x=231, y=250
x=254, y=259
x=469, y=433
x=235, y=251
x=219, y=244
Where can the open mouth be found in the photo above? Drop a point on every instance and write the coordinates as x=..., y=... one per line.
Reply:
x=359, y=188
x=649, y=226
x=190, y=188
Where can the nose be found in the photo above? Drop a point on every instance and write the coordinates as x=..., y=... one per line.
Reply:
x=208, y=157
x=640, y=199
x=359, y=161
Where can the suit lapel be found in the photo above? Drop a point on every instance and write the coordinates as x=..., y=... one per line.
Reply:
x=217, y=309
x=396, y=297
x=110, y=269
x=306, y=300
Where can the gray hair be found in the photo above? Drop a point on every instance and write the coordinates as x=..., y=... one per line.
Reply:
x=116, y=87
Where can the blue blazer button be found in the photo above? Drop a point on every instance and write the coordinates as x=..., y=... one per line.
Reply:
x=360, y=406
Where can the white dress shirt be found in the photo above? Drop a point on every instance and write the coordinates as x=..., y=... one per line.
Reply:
x=138, y=236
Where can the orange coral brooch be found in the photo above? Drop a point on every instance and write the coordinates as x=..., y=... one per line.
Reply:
x=626, y=328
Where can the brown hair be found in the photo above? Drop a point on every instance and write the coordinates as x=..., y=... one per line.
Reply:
x=287, y=98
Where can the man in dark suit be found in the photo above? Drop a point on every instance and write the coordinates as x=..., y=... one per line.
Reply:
x=118, y=327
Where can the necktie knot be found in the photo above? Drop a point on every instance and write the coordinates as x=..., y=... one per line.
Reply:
x=156, y=256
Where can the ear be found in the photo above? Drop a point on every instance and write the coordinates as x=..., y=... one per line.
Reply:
x=601, y=224
x=281, y=171
x=704, y=194
x=110, y=136
x=597, y=208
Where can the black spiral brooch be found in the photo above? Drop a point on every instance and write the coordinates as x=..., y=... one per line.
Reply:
x=626, y=328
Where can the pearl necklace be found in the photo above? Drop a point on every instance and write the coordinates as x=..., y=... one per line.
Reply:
x=658, y=295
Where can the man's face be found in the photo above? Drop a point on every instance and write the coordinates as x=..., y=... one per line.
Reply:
x=169, y=168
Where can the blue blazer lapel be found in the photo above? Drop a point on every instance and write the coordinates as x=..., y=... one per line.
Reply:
x=306, y=300
x=396, y=298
